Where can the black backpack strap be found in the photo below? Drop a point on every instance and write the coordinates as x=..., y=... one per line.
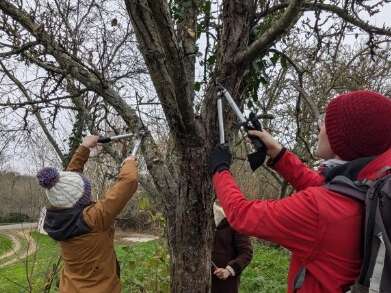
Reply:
x=371, y=242
x=384, y=235
x=299, y=279
x=377, y=198
x=386, y=185
x=374, y=227
x=344, y=185
x=384, y=222
x=385, y=282
x=360, y=191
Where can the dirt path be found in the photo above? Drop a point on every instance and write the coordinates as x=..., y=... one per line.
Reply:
x=18, y=251
x=127, y=237
x=21, y=226
x=21, y=234
x=16, y=245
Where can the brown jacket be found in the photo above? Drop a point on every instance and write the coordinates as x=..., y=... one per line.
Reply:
x=90, y=263
x=233, y=249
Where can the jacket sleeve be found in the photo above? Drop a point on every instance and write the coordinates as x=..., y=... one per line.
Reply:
x=244, y=251
x=101, y=215
x=78, y=160
x=298, y=174
x=291, y=222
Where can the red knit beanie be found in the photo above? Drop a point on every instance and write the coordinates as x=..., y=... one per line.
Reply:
x=358, y=124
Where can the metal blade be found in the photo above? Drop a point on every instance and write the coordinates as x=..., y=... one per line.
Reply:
x=117, y=137
x=136, y=147
x=233, y=105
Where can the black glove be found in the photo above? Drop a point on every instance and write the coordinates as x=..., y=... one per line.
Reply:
x=257, y=158
x=220, y=159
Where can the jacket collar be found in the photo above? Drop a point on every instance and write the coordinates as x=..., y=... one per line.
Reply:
x=377, y=167
x=218, y=214
x=349, y=169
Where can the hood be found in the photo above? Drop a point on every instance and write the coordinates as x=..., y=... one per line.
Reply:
x=349, y=169
x=377, y=167
x=64, y=224
x=218, y=214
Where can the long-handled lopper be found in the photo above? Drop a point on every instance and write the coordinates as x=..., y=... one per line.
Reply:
x=137, y=143
x=257, y=158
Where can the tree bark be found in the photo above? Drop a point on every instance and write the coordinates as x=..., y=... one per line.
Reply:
x=189, y=207
x=190, y=226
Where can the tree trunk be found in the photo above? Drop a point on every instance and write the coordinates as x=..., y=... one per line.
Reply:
x=190, y=227
x=188, y=204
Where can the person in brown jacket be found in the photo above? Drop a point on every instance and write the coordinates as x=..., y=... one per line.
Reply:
x=232, y=252
x=83, y=228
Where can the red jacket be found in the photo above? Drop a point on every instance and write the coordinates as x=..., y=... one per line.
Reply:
x=321, y=228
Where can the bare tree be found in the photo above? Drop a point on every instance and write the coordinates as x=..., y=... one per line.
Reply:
x=239, y=40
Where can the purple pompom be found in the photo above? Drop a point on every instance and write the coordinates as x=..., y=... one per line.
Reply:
x=48, y=177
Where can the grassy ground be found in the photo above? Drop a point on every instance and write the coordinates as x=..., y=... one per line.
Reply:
x=144, y=268
x=147, y=266
x=267, y=271
x=14, y=279
x=5, y=244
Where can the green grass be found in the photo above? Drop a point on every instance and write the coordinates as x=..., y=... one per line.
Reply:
x=5, y=244
x=267, y=271
x=13, y=279
x=145, y=268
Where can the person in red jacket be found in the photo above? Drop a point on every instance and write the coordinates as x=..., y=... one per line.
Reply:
x=320, y=227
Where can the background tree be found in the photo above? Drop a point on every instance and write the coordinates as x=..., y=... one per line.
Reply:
x=189, y=47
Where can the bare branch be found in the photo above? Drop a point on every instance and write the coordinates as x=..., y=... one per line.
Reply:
x=36, y=113
x=342, y=13
x=19, y=50
x=45, y=101
x=93, y=81
x=187, y=33
x=164, y=58
x=45, y=65
x=276, y=31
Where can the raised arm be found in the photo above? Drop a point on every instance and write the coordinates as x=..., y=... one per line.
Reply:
x=82, y=153
x=291, y=222
x=298, y=174
x=101, y=215
x=288, y=165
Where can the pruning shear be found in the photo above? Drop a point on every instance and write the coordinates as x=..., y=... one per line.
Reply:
x=137, y=143
x=257, y=158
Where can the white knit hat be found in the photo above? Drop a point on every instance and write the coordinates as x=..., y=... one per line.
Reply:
x=64, y=189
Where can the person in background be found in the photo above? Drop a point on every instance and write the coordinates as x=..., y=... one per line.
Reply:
x=232, y=252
